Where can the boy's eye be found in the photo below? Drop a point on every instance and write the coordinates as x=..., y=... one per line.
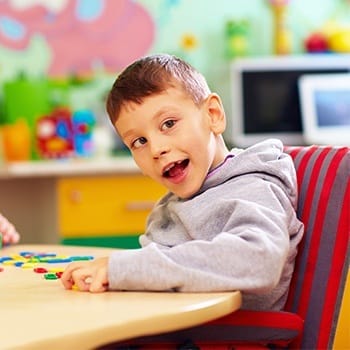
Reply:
x=168, y=124
x=138, y=142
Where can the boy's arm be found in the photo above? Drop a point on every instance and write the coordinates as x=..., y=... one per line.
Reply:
x=248, y=255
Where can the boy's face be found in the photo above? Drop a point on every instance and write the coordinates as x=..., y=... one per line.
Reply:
x=172, y=140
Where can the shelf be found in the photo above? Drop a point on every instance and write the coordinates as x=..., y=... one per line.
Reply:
x=71, y=167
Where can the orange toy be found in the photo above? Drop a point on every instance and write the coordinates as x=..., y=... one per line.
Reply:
x=16, y=141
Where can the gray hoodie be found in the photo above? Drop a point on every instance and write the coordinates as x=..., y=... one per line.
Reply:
x=239, y=232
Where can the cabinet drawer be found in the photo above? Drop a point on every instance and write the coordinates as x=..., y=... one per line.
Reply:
x=107, y=205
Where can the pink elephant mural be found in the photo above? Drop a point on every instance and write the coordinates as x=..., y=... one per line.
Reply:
x=82, y=34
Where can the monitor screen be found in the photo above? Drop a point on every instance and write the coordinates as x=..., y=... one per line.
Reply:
x=332, y=107
x=265, y=96
x=325, y=108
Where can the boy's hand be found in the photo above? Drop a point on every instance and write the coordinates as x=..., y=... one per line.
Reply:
x=8, y=231
x=90, y=276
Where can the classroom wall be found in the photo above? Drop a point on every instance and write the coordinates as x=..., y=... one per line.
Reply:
x=204, y=19
x=192, y=29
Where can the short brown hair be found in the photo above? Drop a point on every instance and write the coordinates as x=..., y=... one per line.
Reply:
x=154, y=74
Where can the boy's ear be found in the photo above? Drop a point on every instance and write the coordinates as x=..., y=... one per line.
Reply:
x=216, y=113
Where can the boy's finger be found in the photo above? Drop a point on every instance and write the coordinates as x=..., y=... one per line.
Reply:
x=99, y=283
x=67, y=278
x=81, y=284
x=82, y=278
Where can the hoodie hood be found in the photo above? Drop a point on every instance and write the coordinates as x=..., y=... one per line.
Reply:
x=266, y=158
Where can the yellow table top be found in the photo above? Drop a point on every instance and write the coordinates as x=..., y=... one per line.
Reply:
x=40, y=314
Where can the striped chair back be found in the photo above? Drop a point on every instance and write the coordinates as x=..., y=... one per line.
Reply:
x=322, y=264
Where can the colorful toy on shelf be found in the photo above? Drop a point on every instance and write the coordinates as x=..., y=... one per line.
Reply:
x=54, y=134
x=16, y=141
x=337, y=28
x=334, y=34
x=316, y=42
x=83, y=123
x=237, y=38
x=26, y=98
x=339, y=41
x=282, y=35
x=333, y=38
x=62, y=134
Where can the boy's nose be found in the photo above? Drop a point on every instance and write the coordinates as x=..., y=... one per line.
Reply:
x=159, y=149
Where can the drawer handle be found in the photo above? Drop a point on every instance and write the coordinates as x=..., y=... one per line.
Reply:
x=139, y=205
x=75, y=196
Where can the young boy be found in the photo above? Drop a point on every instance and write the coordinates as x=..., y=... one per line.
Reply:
x=8, y=233
x=228, y=221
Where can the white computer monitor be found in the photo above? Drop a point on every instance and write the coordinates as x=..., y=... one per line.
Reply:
x=265, y=96
x=325, y=108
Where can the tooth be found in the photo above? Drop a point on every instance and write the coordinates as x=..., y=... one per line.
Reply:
x=169, y=167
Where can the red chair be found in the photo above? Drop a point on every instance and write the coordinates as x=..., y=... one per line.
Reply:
x=311, y=314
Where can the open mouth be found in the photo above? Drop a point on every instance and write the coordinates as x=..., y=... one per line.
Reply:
x=176, y=168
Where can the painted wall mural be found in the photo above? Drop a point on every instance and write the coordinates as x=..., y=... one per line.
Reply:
x=81, y=34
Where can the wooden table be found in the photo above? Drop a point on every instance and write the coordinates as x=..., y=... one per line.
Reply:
x=36, y=313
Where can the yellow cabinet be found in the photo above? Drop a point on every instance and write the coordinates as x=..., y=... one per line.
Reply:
x=105, y=206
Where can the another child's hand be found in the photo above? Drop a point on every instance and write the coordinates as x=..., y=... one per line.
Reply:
x=90, y=276
x=8, y=231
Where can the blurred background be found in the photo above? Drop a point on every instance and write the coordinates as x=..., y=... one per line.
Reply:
x=59, y=58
